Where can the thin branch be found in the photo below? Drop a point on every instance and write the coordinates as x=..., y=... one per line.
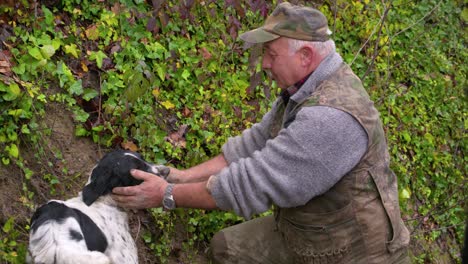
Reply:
x=335, y=15
x=381, y=23
x=438, y=228
x=419, y=20
x=376, y=46
x=368, y=39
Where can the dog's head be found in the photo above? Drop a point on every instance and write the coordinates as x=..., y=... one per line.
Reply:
x=113, y=170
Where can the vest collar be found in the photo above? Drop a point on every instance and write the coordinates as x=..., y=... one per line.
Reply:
x=328, y=66
x=291, y=90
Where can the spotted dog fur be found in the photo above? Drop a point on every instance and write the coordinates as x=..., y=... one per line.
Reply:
x=90, y=228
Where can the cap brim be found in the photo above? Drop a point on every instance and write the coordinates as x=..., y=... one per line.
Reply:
x=258, y=35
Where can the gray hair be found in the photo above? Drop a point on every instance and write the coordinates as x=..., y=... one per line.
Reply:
x=323, y=48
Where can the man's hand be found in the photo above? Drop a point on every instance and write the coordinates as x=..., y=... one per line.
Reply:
x=177, y=176
x=199, y=173
x=148, y=194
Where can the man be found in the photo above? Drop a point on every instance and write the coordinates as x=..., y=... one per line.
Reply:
x=319, y=156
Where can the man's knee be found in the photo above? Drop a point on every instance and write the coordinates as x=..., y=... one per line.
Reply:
x=218, y=248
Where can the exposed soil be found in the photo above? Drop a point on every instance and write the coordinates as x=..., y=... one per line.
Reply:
x=70, y=159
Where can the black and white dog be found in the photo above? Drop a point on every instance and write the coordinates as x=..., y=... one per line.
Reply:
x=90, y=228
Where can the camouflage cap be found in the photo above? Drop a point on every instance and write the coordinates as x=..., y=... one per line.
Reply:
x=287, y=20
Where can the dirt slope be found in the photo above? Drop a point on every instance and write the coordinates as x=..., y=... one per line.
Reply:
x=68, y=160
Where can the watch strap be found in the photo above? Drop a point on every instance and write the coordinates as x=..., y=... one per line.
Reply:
x=168, y=197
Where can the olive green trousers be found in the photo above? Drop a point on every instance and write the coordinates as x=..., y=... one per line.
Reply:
x=254, y=241
x=258, y=241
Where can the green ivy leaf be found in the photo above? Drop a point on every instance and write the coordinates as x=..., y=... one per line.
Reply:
x=76, y=87
x=47, y=51
x=81, y=132
x=89, y=94
x=15, y=112
x=12, y=150
x=98, y=57
x=35, y=53
x=64, y=74
x=12, y=92
x=464, y=14
x=72, y=50
x=81, y=115
x=405, y=194
x=185, y=74
x=429, y=138
x=12, y=136
x=49, y=17
x=161, y=69
x=25, y=129
x=5, y=161
x=8, y=226
x=3, y=87
x=406, y=136
x=28, y=173
x=56, y=43
x=19, y=69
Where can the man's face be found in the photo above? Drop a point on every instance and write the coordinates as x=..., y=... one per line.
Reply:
x=283, y=65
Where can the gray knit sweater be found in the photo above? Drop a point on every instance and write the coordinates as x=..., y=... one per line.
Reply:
x=305, y=160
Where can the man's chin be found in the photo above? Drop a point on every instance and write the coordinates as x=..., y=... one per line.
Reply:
x=281, y=86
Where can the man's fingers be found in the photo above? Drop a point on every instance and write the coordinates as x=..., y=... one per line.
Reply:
x=130, y=202
x=141, y=175
x=126, y=191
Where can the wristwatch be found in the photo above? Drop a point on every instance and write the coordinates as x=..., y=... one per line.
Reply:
x=168, y=200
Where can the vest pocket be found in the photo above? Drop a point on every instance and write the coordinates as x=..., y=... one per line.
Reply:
x=322, y=243
x=385, y=181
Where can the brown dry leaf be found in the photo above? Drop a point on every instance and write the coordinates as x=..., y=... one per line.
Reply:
x=177, y=138
x=92, y=32
x=237, y=111
x=186, y=112
x=176, y=141
x=5, y=65
x=116, y=8
x=129, y=145
x=84, y=67
x=156, y=92
x=115, y=48
x=157, y=4
x=152, y=25
x=205, y=53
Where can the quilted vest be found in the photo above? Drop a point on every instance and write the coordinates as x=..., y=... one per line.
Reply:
x=358, y=220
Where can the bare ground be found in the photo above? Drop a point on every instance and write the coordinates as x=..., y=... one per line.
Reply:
x=69, y=160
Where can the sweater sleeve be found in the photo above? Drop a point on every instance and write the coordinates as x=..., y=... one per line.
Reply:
x=250, y=140
x=303, y=161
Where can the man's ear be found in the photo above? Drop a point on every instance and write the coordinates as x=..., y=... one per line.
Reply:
x=307, y=55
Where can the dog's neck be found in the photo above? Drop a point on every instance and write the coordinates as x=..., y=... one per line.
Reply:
x=104, y=199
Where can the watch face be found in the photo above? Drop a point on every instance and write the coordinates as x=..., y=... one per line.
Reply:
x=169, y=203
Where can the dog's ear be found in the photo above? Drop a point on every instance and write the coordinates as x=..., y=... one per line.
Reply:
x=100, y=184
x=90, y=193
